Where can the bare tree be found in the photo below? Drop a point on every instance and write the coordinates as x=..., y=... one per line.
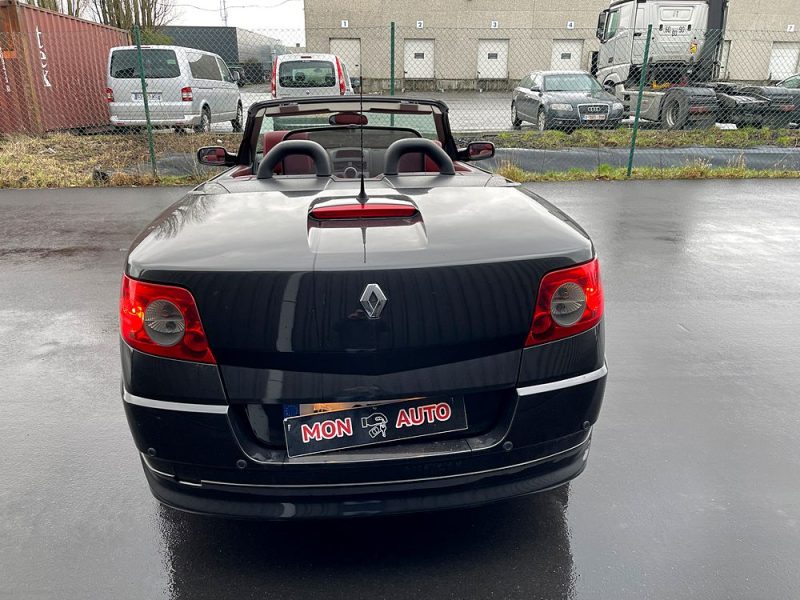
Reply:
x=150, y=14
x=68, y=7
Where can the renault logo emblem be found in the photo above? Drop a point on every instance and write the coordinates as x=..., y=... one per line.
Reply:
x=373, y=300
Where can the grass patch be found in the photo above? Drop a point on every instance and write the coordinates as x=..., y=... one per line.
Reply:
x=67, y=160
x=695, y=170
x=747, y=137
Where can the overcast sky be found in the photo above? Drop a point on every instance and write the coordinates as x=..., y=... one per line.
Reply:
x=278, y=18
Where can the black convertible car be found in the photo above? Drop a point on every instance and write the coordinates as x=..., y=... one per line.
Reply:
x=299, y=341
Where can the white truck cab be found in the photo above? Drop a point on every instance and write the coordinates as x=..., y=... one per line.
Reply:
x=679, y=32
x=680, y=86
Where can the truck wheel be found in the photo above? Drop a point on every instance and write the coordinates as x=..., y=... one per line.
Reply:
x=675, y=113
x=205, y=121
x=237, y=122
x=515, y=120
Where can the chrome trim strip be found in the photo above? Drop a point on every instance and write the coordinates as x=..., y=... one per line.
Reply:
x=154, y=470
x=214, y=409
x=330, y=458
x=563, y=383
x=401, y=481
x=190, y=483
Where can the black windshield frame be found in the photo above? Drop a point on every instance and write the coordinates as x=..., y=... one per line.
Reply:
x=246, y=155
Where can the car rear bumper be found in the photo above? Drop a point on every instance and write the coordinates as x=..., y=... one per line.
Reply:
x=197, y=458
x=469, y=488
x=162, y=114
x=184, y=120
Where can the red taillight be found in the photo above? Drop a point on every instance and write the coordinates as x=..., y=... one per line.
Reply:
x=274, y=78
x=342, y=87
x=109, y=95
x=152, y=317
x=186, y=94
x=368, y=210
x=570, y=301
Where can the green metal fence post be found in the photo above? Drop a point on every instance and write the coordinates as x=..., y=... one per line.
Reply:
x=391, y=69
x=137, y=34
x=642, y=79
x=391, y=61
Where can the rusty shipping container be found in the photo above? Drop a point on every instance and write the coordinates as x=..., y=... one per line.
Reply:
x=52, y=70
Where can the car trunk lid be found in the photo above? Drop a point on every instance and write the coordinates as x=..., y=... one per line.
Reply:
x=435, y=303
x=285, y=298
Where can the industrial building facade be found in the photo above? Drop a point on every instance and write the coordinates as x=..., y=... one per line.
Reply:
x=464, y=44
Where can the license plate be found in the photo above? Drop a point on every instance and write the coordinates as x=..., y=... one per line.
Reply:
x=594, y=117
x=374, y=424
x=151, y=96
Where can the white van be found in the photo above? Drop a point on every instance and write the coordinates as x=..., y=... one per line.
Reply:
x=185, y=88
x=296, y=75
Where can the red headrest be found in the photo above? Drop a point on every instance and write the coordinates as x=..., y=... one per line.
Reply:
x=271, y=138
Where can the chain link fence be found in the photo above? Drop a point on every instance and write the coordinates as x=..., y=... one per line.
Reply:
x=92, y=103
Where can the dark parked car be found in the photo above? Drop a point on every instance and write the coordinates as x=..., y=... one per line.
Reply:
x=564, y=100
x=296, y=345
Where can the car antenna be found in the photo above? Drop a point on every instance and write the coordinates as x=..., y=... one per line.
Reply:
x=362, y=194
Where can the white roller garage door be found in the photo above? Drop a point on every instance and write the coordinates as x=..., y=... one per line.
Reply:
x=567, y=55
x=724, y=72
x=418, y=59
x=784, y=60
x=349, y=50
x=492, y=59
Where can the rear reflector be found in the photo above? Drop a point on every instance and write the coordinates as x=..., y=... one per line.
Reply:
x=162, y=320
x=274, y=77
x=368, y=210
x=570, y=301
x=340, y=75
x=186, y=94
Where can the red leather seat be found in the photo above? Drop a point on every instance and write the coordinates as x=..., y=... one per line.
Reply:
x=271, y=138
x=291, y=165
x=298, y=164
x=416, y=162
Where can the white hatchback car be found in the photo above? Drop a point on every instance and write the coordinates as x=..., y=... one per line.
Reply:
x=185, y=88
x=309, y=75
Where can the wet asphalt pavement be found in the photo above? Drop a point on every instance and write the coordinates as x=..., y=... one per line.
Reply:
x=692, y=488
